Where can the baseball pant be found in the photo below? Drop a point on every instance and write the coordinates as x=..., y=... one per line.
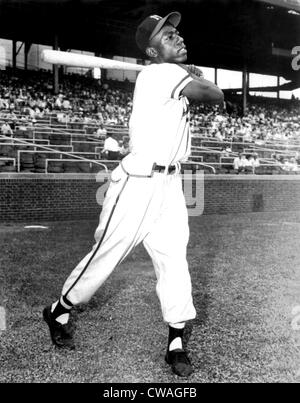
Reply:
x=140, y=209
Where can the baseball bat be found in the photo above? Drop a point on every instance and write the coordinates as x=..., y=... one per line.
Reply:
x=85, y=61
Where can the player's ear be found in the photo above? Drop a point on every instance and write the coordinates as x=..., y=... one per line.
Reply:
x=151, y=52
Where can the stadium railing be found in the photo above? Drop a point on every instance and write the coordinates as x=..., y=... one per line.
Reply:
x=196, y=164
x=58, y=152
x=14, y=140
x=8, y=159
x=263, y=165
x=14, y=144
x=68, y=160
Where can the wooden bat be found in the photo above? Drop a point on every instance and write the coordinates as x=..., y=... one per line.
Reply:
x=85, y=61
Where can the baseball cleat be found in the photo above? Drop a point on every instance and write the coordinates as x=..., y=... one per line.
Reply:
x=179, y=362
x=61, y=335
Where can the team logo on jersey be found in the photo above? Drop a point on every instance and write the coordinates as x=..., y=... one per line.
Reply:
x=156, y=17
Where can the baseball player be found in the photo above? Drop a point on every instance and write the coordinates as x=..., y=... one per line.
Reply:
x=145, y=201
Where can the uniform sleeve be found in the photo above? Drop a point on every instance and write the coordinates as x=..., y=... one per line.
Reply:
x=168, y=80
x=181, y=79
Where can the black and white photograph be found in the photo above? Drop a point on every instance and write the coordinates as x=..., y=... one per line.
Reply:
x=149, y=194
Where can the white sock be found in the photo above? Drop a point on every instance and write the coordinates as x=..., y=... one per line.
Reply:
x=179, y=325
x=176, y=343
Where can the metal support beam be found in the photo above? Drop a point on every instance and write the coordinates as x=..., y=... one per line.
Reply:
x=26, y=51
x=62, y=69
x=103, y=71
x=18, y=51
x=216, y=76
x=14, y=54
x=245, y=88
x=248, y=83
x=55, y=68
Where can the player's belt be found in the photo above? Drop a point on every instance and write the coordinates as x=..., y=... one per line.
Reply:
x=155, y=168
x=162, y=168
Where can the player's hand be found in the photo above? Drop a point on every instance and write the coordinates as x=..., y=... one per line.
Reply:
x=194, y=70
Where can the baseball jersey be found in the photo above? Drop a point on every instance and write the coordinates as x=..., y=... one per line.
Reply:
x=159, y=124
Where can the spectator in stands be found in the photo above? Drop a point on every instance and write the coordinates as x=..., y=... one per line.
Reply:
x=60, y=116
x=111, y=149
x=290, y=165
x=112, y=119
x=66, y=105
x=101, y=131
x=241, y=164
x=297, y=157
x=31, y=93
x=218, y=135
x=3, y=103
x=293, y=165
x=254, y=162
x=276, y=158
x=59, y=101
x=237, y=164
x=6, y=130
x=12, y=124
x=124, y=149
x=224, y=152
x=247, y=137
x=245, y=164
x=285, y=164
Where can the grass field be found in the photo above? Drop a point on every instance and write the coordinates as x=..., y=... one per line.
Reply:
x=246, y=282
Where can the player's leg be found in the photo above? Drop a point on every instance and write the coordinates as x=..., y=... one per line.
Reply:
x=121, y=227
x=167, y=244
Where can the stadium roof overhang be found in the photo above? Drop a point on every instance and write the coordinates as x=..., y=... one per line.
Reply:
x=226, y=34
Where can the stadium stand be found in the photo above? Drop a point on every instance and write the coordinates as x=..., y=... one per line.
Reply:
x=41, y=131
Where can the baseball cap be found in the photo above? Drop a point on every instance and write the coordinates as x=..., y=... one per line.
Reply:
x=151, y=25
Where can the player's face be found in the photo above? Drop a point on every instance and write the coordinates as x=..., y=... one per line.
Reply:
x=170, y=45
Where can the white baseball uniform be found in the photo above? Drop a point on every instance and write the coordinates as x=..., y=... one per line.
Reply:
x=142, y=205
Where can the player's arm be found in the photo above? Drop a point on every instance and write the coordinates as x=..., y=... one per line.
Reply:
x=200, y=89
